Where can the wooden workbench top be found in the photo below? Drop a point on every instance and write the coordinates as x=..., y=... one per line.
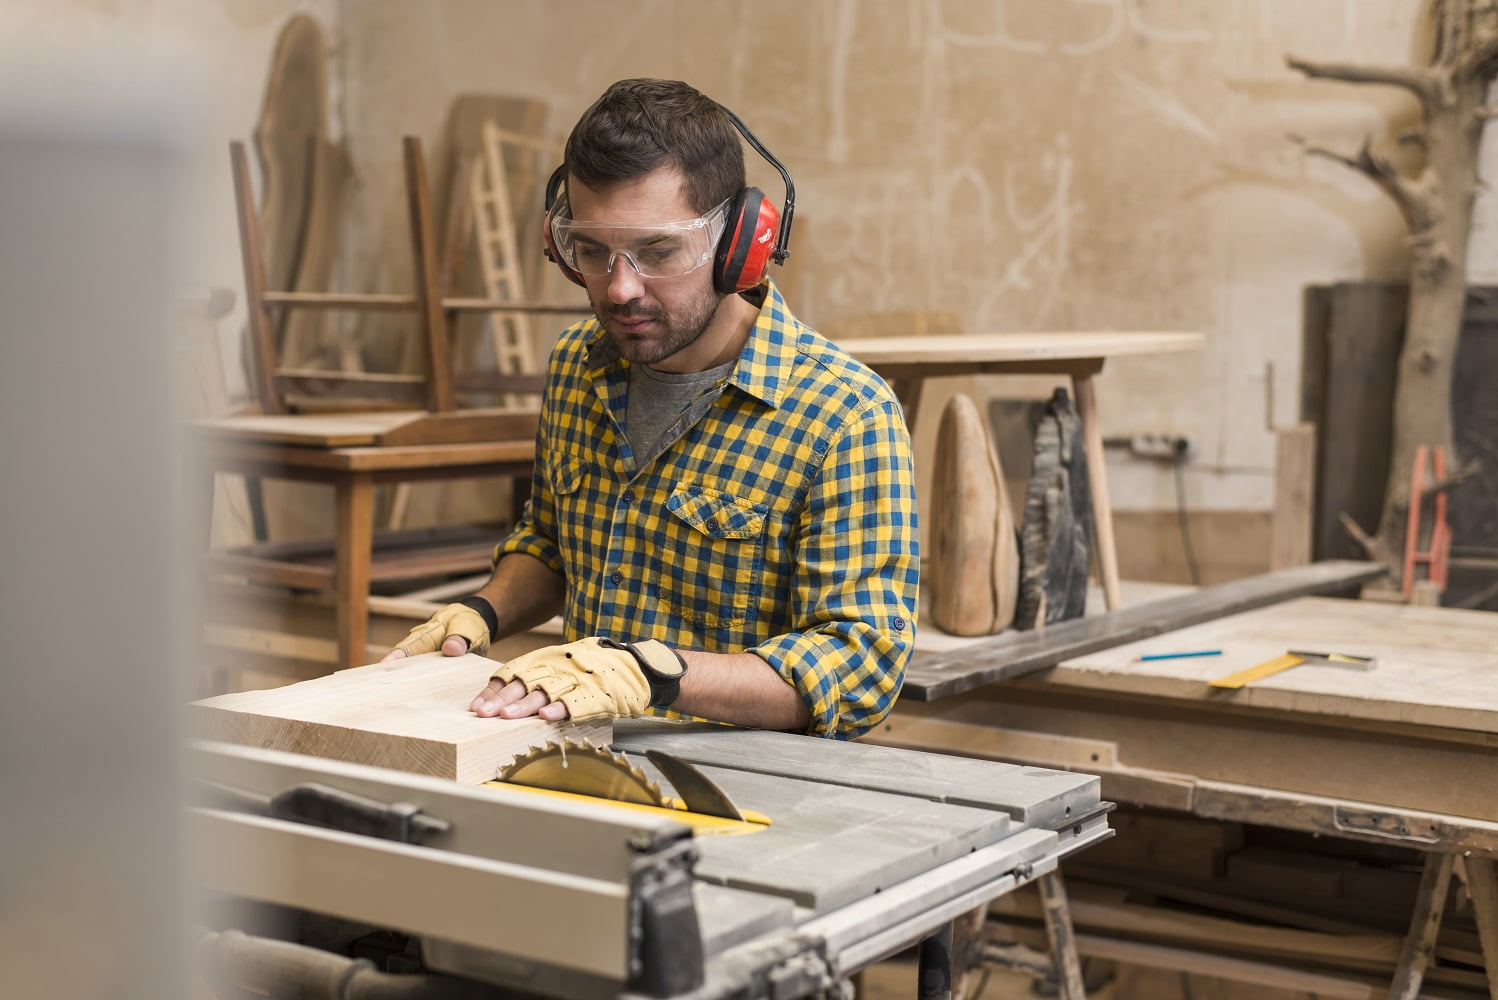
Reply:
x=982, y=347
x=1435, y=666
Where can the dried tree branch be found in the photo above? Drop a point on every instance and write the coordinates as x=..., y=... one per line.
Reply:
x=1368, y=542
x=1423, y=83
x=1407, y=196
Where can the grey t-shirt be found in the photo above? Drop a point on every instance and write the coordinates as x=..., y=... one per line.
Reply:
x=660, y=406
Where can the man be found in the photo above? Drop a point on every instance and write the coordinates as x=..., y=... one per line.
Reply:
x=723, y=509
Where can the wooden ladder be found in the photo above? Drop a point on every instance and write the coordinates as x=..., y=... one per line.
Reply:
x=499, y=261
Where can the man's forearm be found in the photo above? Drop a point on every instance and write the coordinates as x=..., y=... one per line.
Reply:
x=525, y=592
x=739, y=688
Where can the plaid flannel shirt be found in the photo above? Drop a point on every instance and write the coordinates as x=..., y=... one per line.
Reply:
x=781, y=522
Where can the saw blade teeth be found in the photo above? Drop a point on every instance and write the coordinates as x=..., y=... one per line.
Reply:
x=601, y=773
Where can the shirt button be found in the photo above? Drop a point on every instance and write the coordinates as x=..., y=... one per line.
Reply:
x=712, y=524
x=629, y=496
x=616, y=578
x=899, y=624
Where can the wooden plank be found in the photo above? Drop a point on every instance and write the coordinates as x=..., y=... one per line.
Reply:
x=264, y=354
x=1261, y=975
x=1482, y=885
x=383, y=428
x=1378, y=775
x=977, y=348
x=1425, y=922
x=334, y=430
x=450, y=461
x=1363, y=338
x=464, y=427
x=1294, y=496
x=1434, y=666
x=409, y=715
x=435, y=332
x=935, y=674
x=1097, y=477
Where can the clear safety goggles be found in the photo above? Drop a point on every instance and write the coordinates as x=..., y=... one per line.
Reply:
x=654, y=250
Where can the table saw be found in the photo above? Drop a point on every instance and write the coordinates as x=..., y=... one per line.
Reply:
x=837, y=855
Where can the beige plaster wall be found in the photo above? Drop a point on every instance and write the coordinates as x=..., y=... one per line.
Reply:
x=205, y=60
x=1026, y=164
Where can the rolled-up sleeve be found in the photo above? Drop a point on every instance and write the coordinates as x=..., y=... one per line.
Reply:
x=856, y=578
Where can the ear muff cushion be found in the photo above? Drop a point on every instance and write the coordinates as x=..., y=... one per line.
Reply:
x=555, y=203
x=748, y=241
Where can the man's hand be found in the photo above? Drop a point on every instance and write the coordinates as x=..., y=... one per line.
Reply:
x=588, y=679
x=456, y=629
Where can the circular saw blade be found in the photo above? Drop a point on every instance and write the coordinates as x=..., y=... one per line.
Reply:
x=583, y=770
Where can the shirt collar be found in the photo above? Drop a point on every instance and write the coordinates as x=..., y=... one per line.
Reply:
x=764, y=363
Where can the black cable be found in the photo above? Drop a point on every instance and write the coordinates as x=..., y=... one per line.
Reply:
x=1181, y=518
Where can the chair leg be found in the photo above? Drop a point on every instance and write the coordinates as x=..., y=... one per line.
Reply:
x=354, y=546
x=1097, y=476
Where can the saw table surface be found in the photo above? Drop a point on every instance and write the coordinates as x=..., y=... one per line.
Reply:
x=870, y=850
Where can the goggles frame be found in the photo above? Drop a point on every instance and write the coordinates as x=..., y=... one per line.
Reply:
x=566, y=231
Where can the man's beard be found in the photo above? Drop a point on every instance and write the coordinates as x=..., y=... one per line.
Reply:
x=672, y=335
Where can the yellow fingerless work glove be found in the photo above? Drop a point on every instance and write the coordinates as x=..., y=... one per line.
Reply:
x=473, y=618
x=598, y=677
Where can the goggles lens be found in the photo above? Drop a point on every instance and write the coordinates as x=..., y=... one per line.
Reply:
x=660, y=250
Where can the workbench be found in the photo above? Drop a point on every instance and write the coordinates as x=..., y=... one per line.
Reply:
x=906, y=362
x=1403, y=755
x=871, y=850
x=354, y=453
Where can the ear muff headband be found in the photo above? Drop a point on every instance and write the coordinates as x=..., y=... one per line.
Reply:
x=749, y=241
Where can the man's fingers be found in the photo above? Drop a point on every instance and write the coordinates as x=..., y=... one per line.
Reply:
x=531, y=704
x=395, y=654
x=496, y=696
x=555, y=711
x=454, y=645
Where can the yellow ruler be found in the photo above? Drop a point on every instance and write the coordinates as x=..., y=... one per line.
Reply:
x=1266, y=669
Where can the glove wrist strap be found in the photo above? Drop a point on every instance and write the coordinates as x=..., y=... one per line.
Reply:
x=662, y=666
x=485, y=611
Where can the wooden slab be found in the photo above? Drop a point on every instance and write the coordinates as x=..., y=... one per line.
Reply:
x=934, y=674
x=409, y=715
x=387, y=428
x=1435, y=666
x=973, y=574
x=980, y=348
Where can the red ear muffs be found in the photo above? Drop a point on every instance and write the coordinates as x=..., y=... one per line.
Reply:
x=553, y=205
x=748, y=240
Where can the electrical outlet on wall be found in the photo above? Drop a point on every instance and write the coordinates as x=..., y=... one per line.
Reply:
x=1164, y=447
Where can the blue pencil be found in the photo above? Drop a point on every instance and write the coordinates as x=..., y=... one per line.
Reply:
x=1181, y=656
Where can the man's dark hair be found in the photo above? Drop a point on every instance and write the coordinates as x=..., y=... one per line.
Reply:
x=638, y=126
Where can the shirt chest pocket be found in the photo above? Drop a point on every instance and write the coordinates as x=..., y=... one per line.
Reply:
x=714, y=559
x=565, y=477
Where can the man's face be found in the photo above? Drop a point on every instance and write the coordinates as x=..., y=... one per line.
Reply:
x=650, y=320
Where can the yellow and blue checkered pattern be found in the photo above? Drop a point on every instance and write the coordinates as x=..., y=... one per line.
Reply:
x=781, y=523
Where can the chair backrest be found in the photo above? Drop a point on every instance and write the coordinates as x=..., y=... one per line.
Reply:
x=274, y=384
